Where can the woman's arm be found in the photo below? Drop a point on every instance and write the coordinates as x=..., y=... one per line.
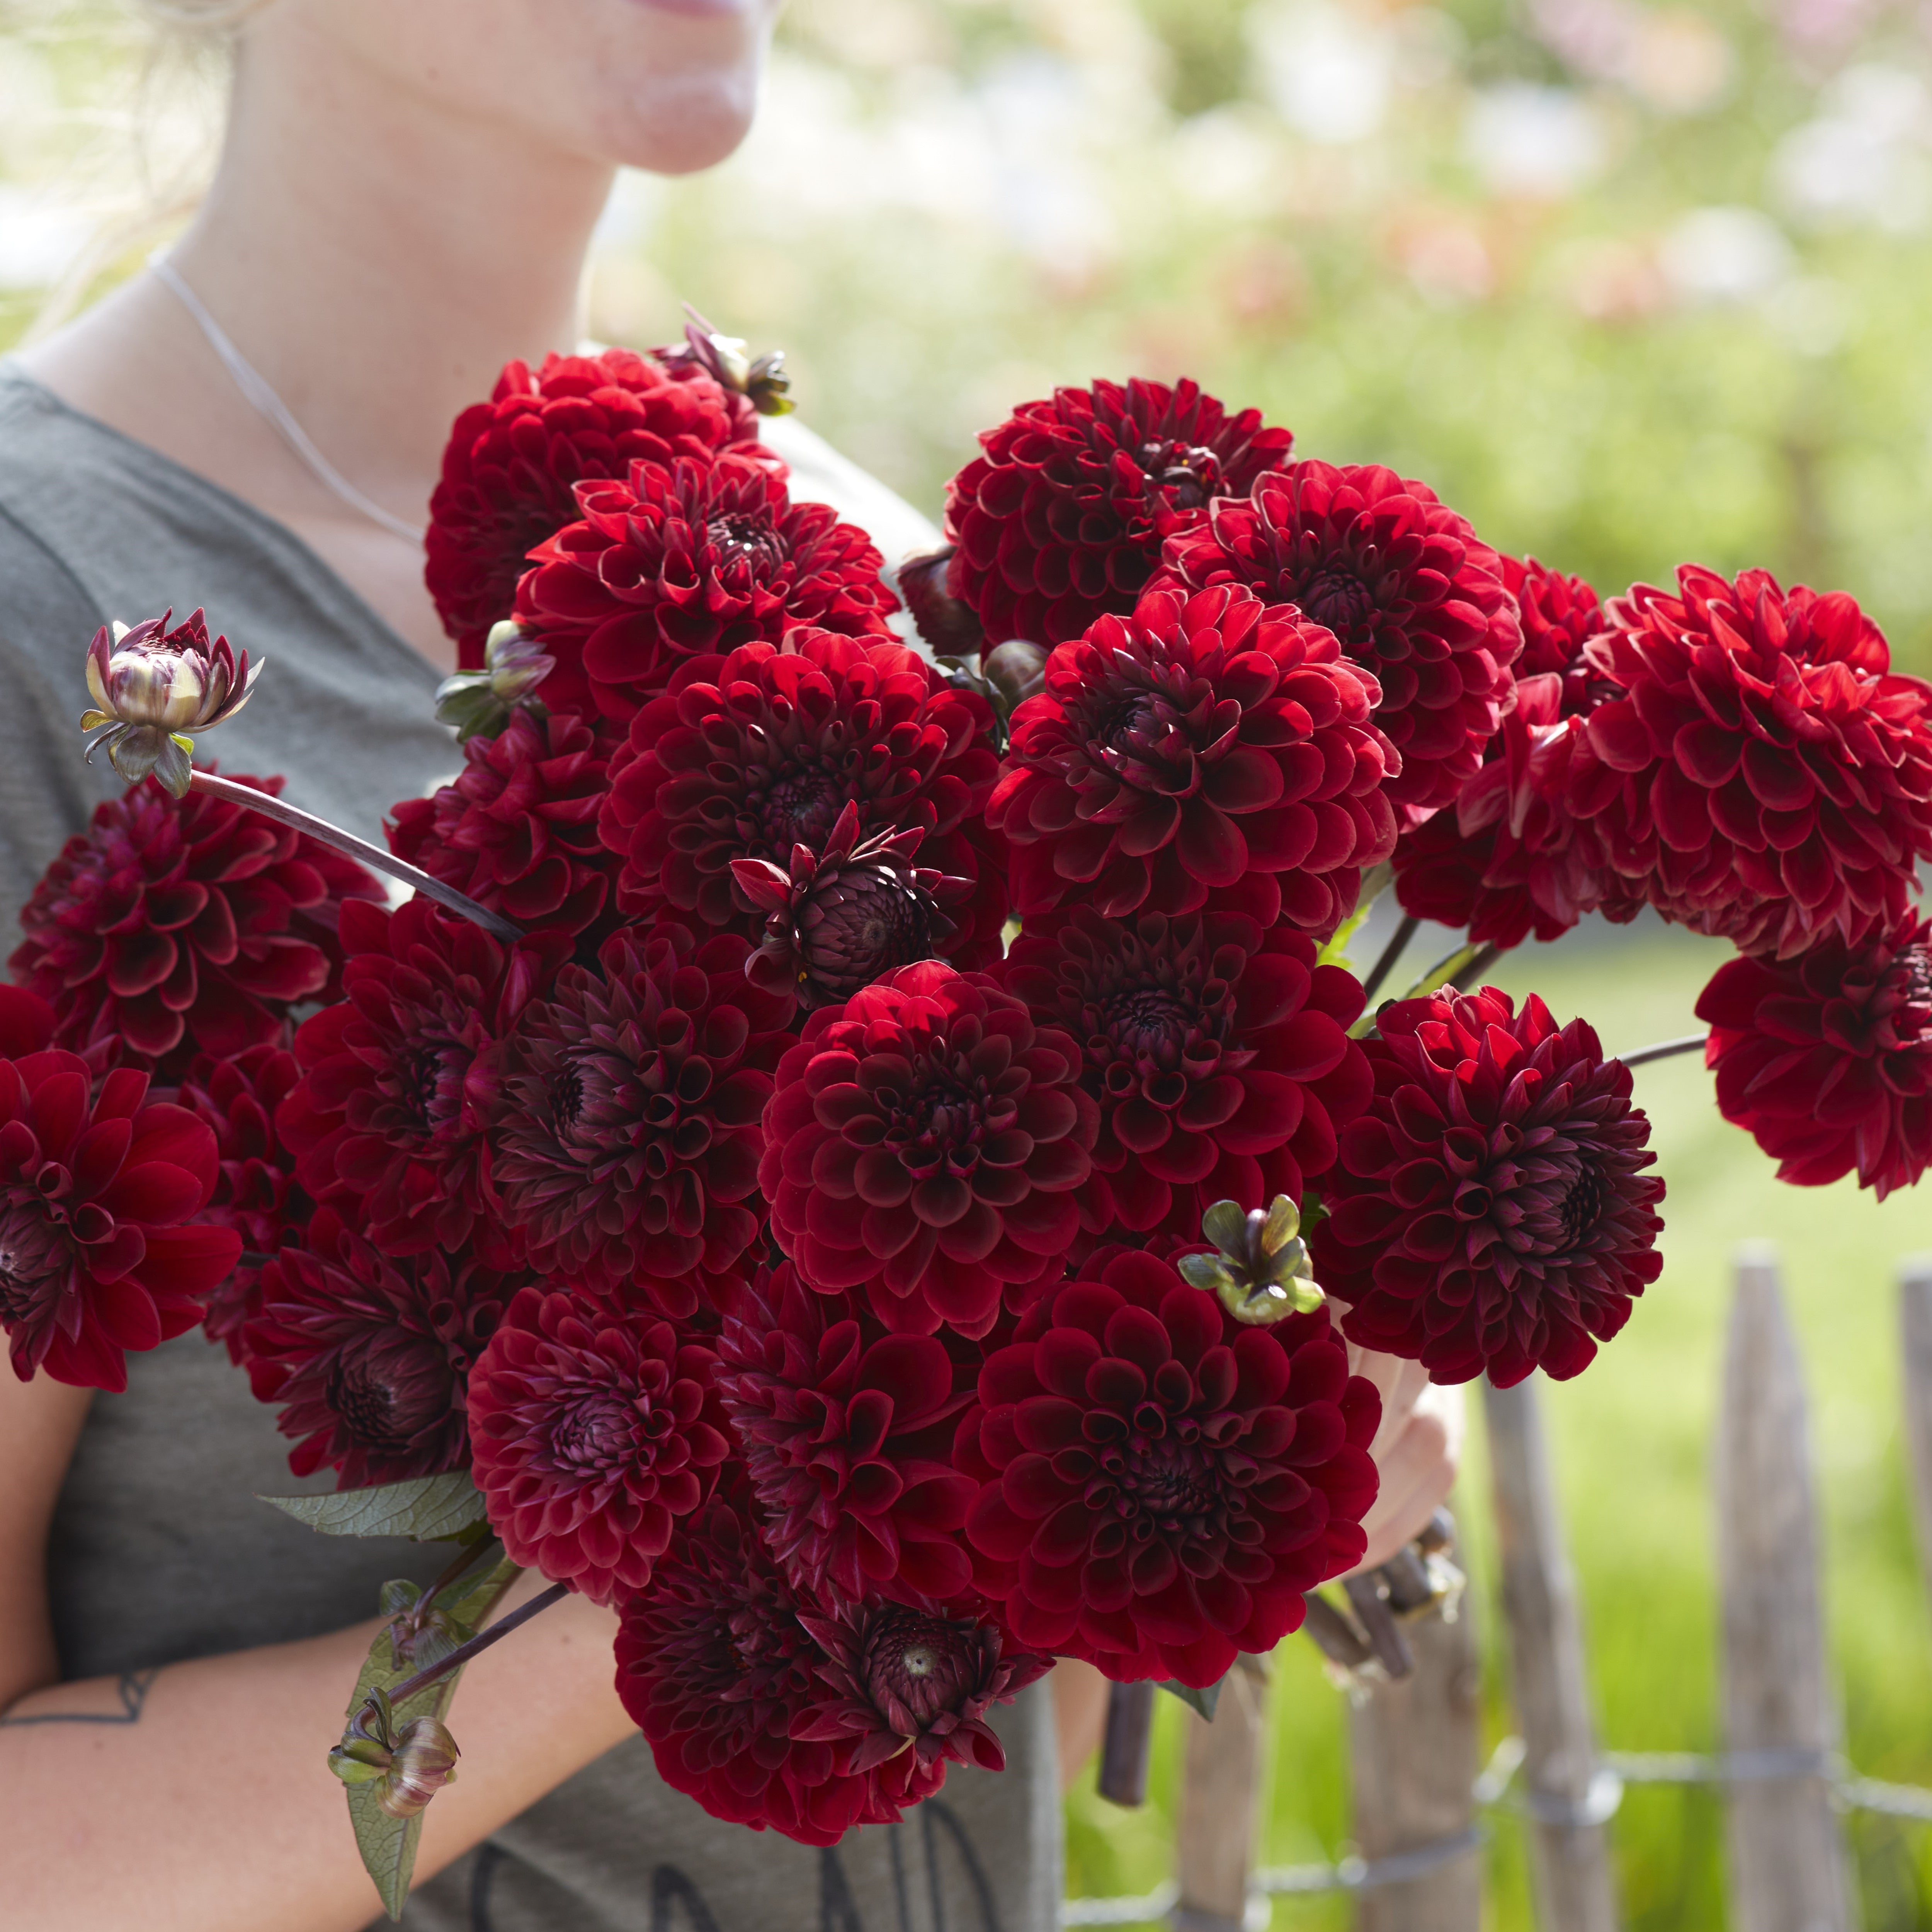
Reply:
x=197, y=1797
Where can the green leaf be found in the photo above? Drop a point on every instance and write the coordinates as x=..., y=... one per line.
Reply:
x=430, y=1509
x=1202, y=1702
x=388, y=1845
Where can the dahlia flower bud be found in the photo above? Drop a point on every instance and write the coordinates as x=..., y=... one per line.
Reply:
x=153, y=688
x=950, y=625
x=480, y=704
x=411, y=1763
x=1015, y=670
x=840, y=919
x=761, y=379
x=1262, y=1271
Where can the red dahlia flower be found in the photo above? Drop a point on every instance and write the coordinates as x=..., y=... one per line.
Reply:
x=927, y=1138
x=1160, y=1485
x=1826, y=1059
x=846, y=1432
x=96, y=1257
x=1217, y=1052
x=1416, y=598
x=512, y=464
x=1490, y=1214
x=1060, y=521
x=627, y=1136
x=1760, y=774
x=367, y=1355
x=172, y=926
x=717, y=1671
x=517, y=831
x=689, y=560
x=750, y=756
x=911, y=1693
x=1205, y=738
x=398, y=1080
x=255, y=1190
x=592, y=1432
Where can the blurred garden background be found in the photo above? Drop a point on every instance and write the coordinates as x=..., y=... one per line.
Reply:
x=1628, y=284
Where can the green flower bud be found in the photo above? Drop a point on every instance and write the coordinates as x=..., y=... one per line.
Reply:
x=479, y=703
x=1262, y=1273
x=410, y=1763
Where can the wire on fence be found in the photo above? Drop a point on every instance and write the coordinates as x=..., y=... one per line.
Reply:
x=1617, y=1770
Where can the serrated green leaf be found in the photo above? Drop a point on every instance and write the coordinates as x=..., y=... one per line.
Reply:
x=428, y=1509
x=388, y=1845
x=1202, y=1702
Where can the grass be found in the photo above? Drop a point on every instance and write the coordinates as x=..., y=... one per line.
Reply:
x=1632, y=1443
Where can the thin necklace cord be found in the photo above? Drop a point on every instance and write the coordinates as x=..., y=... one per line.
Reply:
x=255, y=387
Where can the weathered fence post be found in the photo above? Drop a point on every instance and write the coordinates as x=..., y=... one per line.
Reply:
x=1220, y=1804
x=1788, y=1867
x=1414, y=1747
x=1568, y=1794
x=1914, y=1323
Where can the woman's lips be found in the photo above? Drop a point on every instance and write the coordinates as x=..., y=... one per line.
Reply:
x=698, y=9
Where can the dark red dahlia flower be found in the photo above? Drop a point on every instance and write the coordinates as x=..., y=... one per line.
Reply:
x=750, y=756
x=1206, y=738
x=255, y=1189
x=1826, y=1060
x=911, y=1691
x=175, y=926
x=928, y=1138
x=1490, y=1213
x=1761, y=773
x=689, y=560
x=1160, y=1485
x=96, y=1254
x=1417, y=599
x=627, y=1136
x=399, y=1079
x=512, y=464
x=717, y=1671
x=1060, y=521
x=517, y=831
x=1217, y=1052
x=367, y=1355
x=1506, y=858
x=592, y=1431
x=846, y=1433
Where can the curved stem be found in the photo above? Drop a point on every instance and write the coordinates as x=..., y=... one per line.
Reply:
x=1473, y=968
x=1393, y=952
x=401, y=1693
x=1665, y=1049
x=374, y=856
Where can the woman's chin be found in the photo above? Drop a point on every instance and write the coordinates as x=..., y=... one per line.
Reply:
x=678, y=126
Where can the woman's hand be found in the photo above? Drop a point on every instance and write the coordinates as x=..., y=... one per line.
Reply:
x=1416, y=1450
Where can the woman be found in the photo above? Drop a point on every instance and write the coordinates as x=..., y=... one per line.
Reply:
x=403, y=202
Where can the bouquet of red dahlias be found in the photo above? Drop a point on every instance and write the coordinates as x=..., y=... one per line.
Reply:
x=841, y=1155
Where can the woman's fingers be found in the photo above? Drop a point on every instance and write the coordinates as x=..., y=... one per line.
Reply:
x=1417, y=1469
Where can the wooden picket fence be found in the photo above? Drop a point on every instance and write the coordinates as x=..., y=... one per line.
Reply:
x=1419, y=1786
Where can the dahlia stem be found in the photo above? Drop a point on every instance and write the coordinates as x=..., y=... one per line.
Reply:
x=1475, y=968
x=1665, y=1049
x=1397, y=946
x=1454, y=968
x=374, y=856
x=1129, y=1742
x=400, y=1693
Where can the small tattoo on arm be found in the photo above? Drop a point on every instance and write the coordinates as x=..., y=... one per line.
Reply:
x=131, y=1688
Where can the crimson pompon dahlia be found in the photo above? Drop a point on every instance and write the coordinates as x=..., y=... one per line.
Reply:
x=593, y=1431
x=1216, y=1051
x=1761, y=773
x=1416, y=598
x=368, y=1355
x=1208, y=738
x=1490, y=1213
x=255, y=1189
x=97, y=1257
x=847, y=1434
x=683, y=560
x=510, y=464
x=626, y=1136
x=928, y=1139
x=1505, y=858
x=1159, y=1484
x=399, y=1077
x=517, y=830
x=175, y=926
x=1826, y=1060
x=751, y=755
x=716, y=1669
x=1061, y=520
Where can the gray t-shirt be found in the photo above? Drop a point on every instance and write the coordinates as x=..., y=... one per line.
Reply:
x=159, y=1551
